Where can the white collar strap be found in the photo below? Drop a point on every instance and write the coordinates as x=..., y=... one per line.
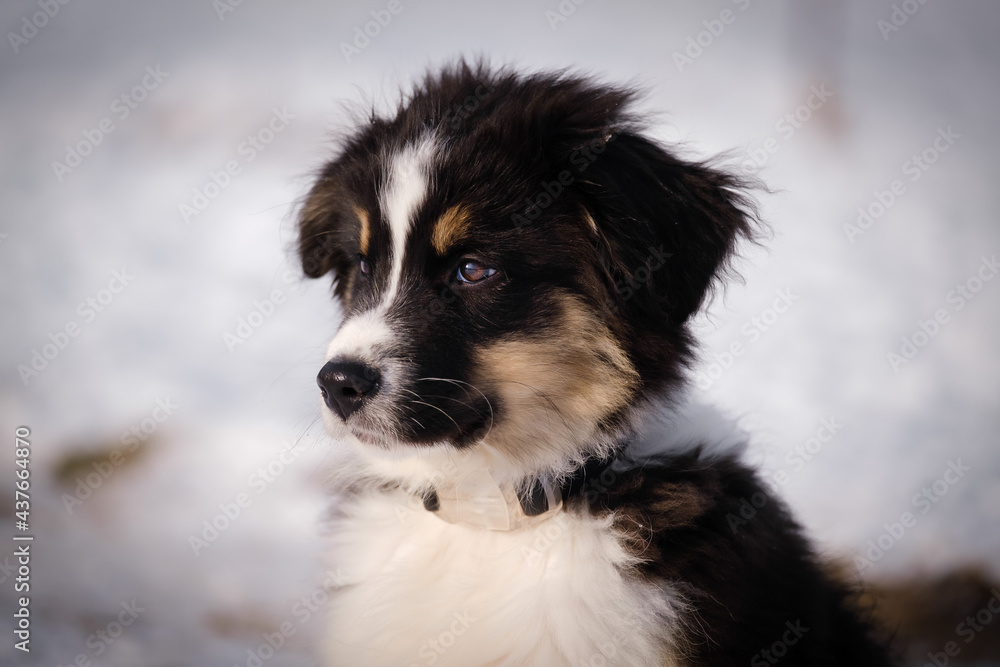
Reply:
x=476, y=499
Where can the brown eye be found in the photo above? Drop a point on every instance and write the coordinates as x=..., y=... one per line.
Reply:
x=363, y=265
x=474, y=272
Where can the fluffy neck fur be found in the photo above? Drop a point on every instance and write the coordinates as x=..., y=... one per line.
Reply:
x=658, y=428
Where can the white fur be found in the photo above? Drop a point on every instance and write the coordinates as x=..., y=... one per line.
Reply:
x=367, y=336
x=406, y=188
x=557, y=593
x=358, y=335
x=421, y=591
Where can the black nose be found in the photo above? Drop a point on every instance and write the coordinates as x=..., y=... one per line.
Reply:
x=346, y=384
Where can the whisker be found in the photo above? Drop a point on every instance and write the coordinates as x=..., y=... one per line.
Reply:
x=441, y=411
x=469, y=384
x=447, y=398
x=304, y=432
x=544, y=396
x=452, y=398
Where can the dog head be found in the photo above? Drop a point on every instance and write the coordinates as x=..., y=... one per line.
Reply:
x=516, y=265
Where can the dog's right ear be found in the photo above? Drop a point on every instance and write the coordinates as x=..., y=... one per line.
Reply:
x=325, y=245
x=318, y=220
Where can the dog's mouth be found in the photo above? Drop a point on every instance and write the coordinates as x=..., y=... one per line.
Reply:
x=373, y=440
x=385, y=414
x=402, y=434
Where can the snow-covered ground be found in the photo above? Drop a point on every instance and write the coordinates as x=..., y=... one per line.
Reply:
x=151, y=350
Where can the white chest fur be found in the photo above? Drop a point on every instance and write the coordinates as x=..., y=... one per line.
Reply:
x=425, y=592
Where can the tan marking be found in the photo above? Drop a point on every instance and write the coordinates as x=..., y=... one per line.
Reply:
x=555, y=387
x=450, y=228
x=366, y=232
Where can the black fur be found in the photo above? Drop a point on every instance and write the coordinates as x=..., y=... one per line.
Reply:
x=714, y=532
x=665, y=227
x=534, y=159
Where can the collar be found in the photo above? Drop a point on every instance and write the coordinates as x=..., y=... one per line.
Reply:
x=477, y=499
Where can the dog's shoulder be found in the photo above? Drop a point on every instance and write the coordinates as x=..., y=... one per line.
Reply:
x=705, y=523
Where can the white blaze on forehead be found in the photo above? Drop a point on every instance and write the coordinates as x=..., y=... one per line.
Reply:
x=405, y=189
x=358, y=335
x=406, y=182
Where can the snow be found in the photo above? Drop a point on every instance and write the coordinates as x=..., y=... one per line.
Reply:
x=190, y=282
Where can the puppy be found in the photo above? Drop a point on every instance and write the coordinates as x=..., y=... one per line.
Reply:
x=523, y=482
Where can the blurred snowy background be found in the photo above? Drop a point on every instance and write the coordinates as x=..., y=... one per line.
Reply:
x=133, y=262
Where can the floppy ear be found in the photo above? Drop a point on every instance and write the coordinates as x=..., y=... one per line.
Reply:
x=325, y=242
x=318, y=219
x=667, y=227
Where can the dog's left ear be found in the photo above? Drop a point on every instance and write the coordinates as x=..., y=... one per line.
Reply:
x=327, y=230
x=667, y=227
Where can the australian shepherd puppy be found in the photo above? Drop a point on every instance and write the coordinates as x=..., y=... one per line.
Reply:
x=523, y=482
